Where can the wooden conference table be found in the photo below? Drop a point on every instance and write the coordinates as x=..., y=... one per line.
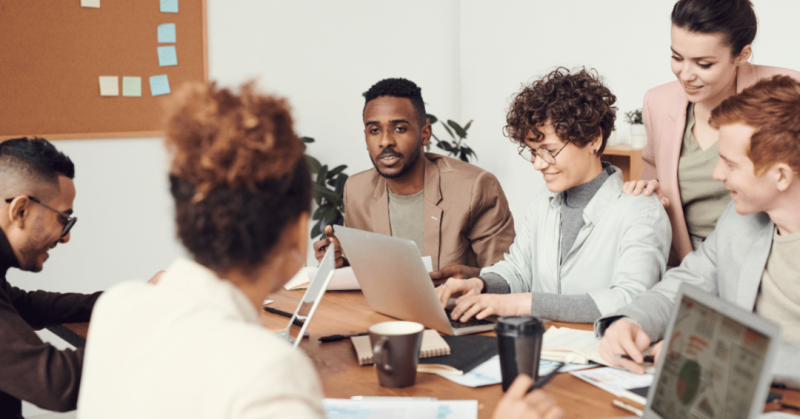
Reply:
x=345, y=312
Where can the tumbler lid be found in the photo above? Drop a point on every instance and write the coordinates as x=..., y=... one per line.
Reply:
x=519, y=326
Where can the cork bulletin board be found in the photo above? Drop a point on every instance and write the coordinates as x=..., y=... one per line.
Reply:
x=53, y=54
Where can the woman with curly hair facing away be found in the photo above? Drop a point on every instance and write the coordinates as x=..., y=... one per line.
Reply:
x=192, y=346
x=585, y=249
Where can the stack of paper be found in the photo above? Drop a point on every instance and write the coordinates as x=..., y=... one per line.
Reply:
x=560, y=342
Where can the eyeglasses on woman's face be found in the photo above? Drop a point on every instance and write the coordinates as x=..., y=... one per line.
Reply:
x=66, y=220
x=530, y=154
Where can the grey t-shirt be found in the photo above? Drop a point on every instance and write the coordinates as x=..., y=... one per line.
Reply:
x=406, y=214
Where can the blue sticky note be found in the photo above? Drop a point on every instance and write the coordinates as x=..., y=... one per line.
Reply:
x=169, y=6
x=166, y=33
x=159, y=85
x=167, y=56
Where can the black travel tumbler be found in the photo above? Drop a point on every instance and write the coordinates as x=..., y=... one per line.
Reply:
x=519, y=340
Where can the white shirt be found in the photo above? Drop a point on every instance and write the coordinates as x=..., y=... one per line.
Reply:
x=619, y=253
x=190, y=347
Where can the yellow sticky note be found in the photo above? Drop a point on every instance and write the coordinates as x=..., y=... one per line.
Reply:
x=131, y=86
x=109, y=86
x=90, y=3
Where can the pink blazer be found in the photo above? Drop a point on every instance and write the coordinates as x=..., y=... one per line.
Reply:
x=664, y=115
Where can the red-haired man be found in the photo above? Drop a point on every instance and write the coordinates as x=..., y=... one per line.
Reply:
x=750, y=258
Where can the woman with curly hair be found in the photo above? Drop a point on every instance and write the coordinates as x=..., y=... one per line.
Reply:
x=585, y=249
x=711, y=45
x=193, y=346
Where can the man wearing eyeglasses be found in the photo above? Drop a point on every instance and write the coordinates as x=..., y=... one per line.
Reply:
x=37, y=192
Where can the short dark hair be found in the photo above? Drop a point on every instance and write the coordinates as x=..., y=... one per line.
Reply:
x=399, y=88
x=735, y=20
x=37, y=157
x=238, y=174
x=578, y=105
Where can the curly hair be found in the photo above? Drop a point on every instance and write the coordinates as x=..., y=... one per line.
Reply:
x=771, y=106
x=237, y=173
x=578, y=106
x=399, y=88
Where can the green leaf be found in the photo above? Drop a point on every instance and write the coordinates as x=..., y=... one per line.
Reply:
x=457, y=128
x=315, y=232
x=313, y=164
x=327, y=194
x=340, y=181
x=431, y=119
x=307, y=140
x=463, y=157
x=444, y=145
x=322, y=175
x=466, y=127
x=448, y=130
x=317, y=213
x=336, y=171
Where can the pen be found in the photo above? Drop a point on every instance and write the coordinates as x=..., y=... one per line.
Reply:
x=647, y=358
x=336, y=338
x=543, y=380
x=284, y=314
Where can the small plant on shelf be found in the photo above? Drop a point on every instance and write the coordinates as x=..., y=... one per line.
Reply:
x=328, y=193
x=456, y=146
x=634, y=117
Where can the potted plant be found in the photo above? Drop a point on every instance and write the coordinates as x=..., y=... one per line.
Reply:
x=638, y=133
x=328, y=193
x=456, y=146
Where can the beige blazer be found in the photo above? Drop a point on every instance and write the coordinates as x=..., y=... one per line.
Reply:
x=467, y=219
x=664, y=115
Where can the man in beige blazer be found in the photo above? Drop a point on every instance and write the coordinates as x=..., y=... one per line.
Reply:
x=455, y=212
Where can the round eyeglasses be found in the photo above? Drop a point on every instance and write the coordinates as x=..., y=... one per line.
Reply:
x=529, y=154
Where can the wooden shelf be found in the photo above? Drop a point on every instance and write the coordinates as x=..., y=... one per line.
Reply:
x=627, y=158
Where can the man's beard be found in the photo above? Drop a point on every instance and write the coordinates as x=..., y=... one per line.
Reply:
x=412, y=160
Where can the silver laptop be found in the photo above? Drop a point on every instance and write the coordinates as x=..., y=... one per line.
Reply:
x=396, y=283
x=313, y=295
x=716, y=363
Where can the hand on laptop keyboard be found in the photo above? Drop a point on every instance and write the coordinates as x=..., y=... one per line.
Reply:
x=457, y=324
x=485, y=305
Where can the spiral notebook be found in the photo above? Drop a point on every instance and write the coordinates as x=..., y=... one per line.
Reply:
x=432, y=345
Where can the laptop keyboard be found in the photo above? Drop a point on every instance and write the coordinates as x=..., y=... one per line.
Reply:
x=457, y=324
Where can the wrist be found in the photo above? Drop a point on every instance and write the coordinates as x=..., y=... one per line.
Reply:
x=477, y=284
x=524, y=304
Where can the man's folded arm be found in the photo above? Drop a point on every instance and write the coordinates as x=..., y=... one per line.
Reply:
x=35, y=371
x=42, y=309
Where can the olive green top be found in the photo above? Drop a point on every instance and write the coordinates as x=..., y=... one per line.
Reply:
x=703, y=198
x=779, y=296
x=406, y=217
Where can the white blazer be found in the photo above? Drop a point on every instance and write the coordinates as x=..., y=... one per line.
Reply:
x=190, y=347
x=620, y=252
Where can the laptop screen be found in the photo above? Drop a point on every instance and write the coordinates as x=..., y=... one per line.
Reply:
x=712, y=366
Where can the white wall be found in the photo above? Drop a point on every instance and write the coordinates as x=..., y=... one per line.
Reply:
x=468, y=56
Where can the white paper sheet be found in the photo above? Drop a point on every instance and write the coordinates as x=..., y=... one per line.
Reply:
x=401, y=408
x=489, y=373
x=614, y=380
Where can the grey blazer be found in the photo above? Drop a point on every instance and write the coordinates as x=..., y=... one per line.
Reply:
x=730, y=264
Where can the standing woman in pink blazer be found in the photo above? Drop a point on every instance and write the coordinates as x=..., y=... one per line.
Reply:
x=711, y=43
